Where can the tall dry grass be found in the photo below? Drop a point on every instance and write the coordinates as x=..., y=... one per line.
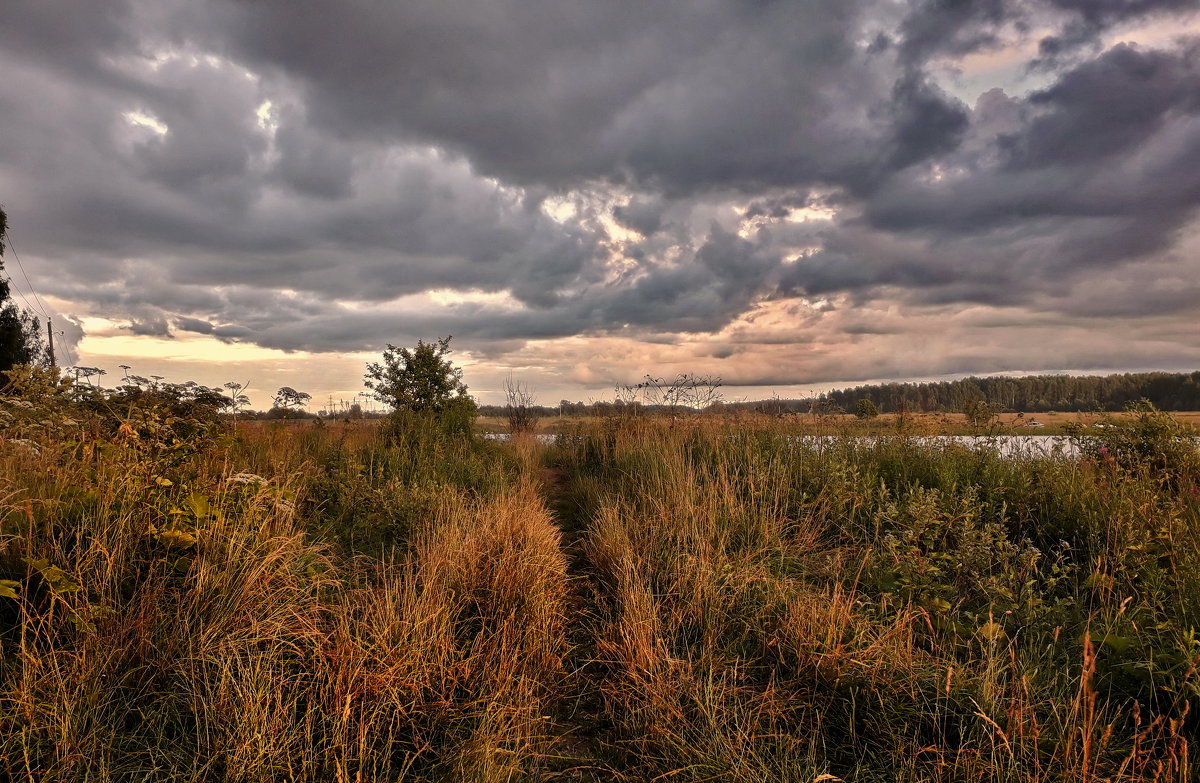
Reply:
x=708, y=601
x=886, y=611
x=179, y=621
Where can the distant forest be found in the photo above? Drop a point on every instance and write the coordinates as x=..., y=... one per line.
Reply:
x=1035, y=393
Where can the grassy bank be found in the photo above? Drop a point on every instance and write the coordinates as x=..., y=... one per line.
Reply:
x=187, y=600
x=889, y=611
x=885, y=424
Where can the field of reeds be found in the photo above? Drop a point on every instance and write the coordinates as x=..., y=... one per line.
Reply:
x=185, y=598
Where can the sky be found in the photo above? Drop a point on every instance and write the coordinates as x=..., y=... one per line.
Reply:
x=789, y=196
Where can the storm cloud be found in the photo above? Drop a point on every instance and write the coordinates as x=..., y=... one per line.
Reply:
x=328, y=177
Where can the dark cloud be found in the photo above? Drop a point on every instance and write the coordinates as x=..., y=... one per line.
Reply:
x=554, y=92
x=308, y=162
x=153, y=326
x=1088, y=174
x=195, y=325
x=1089, y=18
x=953, y=27
x=924, y=122
x=284, y=172
x=65, y=34
x=1107, y=107
x=643, y=215
x=1107, y=12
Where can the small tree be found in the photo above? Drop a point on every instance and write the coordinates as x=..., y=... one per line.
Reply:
x=418, y=379
x=518, y=406
x=865, y=409
x=685, y=390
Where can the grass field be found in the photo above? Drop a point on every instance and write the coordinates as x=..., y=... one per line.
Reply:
x=693, y=600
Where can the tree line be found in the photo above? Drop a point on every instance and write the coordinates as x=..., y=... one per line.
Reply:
x=1034, y=393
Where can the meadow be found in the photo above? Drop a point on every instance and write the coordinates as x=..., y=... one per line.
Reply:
x=189, y=598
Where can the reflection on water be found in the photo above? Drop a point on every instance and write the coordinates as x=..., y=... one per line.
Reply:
x=1006, y=445
x=1041, y=446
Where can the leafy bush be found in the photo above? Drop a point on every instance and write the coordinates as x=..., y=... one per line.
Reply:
x=419, y=379
x=1147, y=440
x=937, y=551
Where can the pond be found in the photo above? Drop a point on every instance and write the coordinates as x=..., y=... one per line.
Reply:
x=1006, y=445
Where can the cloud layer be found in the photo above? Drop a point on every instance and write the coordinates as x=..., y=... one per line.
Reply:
x=706, y=181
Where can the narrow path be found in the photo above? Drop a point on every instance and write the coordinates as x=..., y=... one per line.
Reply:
x=579, y=720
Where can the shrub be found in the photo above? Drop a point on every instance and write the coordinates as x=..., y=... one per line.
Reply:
x=419, y=379
x=1147, y=440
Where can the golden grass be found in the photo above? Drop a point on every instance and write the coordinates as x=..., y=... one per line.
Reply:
x=726, y=604
x=743, y=638
x=255, y=653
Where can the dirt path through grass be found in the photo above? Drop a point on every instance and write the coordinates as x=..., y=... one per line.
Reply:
x=580, y=720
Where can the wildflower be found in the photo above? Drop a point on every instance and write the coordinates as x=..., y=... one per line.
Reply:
x=246, y=478
x=26, y=446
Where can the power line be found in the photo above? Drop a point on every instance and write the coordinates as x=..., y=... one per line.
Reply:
x=20, y=293
x=41, y=307
x=64, y=348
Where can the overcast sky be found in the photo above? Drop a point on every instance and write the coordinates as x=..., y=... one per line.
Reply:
x=790, y=194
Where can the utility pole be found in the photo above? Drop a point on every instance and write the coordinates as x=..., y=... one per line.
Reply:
x=50, y=335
